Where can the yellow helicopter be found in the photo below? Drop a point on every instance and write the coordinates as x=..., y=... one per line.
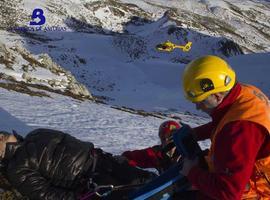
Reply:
x=169, y=46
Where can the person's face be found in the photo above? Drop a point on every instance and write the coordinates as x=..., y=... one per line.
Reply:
x=209, y=104
x=3, y=141
x=165, y=139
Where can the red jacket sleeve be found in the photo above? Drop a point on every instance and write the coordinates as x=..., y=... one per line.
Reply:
x=236, y=148
x=145, y=158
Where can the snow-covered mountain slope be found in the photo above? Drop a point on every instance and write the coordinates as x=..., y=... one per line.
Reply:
x=152, y=84
x=113, y=129
x=108, y=128
x=109, y=46
x=244, y=22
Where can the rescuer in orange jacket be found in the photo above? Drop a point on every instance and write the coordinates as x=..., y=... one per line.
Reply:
x=239, y=156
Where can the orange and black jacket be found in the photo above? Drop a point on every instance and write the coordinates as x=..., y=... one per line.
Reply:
x=237, y=146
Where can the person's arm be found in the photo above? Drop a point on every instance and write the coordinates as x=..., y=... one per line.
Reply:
x=29, y=182
x=203, y=132
x=145, y=158
x=235, y=153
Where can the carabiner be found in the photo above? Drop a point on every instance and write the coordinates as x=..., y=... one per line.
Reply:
x=103, y=190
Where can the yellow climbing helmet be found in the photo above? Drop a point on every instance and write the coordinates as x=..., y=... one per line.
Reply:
x=205, y=76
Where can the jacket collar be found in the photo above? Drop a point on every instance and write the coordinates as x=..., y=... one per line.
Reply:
x=222, y=108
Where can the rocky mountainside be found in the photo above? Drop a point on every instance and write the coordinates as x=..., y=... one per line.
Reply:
x=21, y=71
x=246, y=23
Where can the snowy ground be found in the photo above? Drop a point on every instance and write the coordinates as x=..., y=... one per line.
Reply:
x=108, y=128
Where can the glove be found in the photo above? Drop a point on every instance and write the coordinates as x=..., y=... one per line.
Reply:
x=111, y=171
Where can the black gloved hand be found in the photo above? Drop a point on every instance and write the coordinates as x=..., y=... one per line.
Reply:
x=111, y=171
